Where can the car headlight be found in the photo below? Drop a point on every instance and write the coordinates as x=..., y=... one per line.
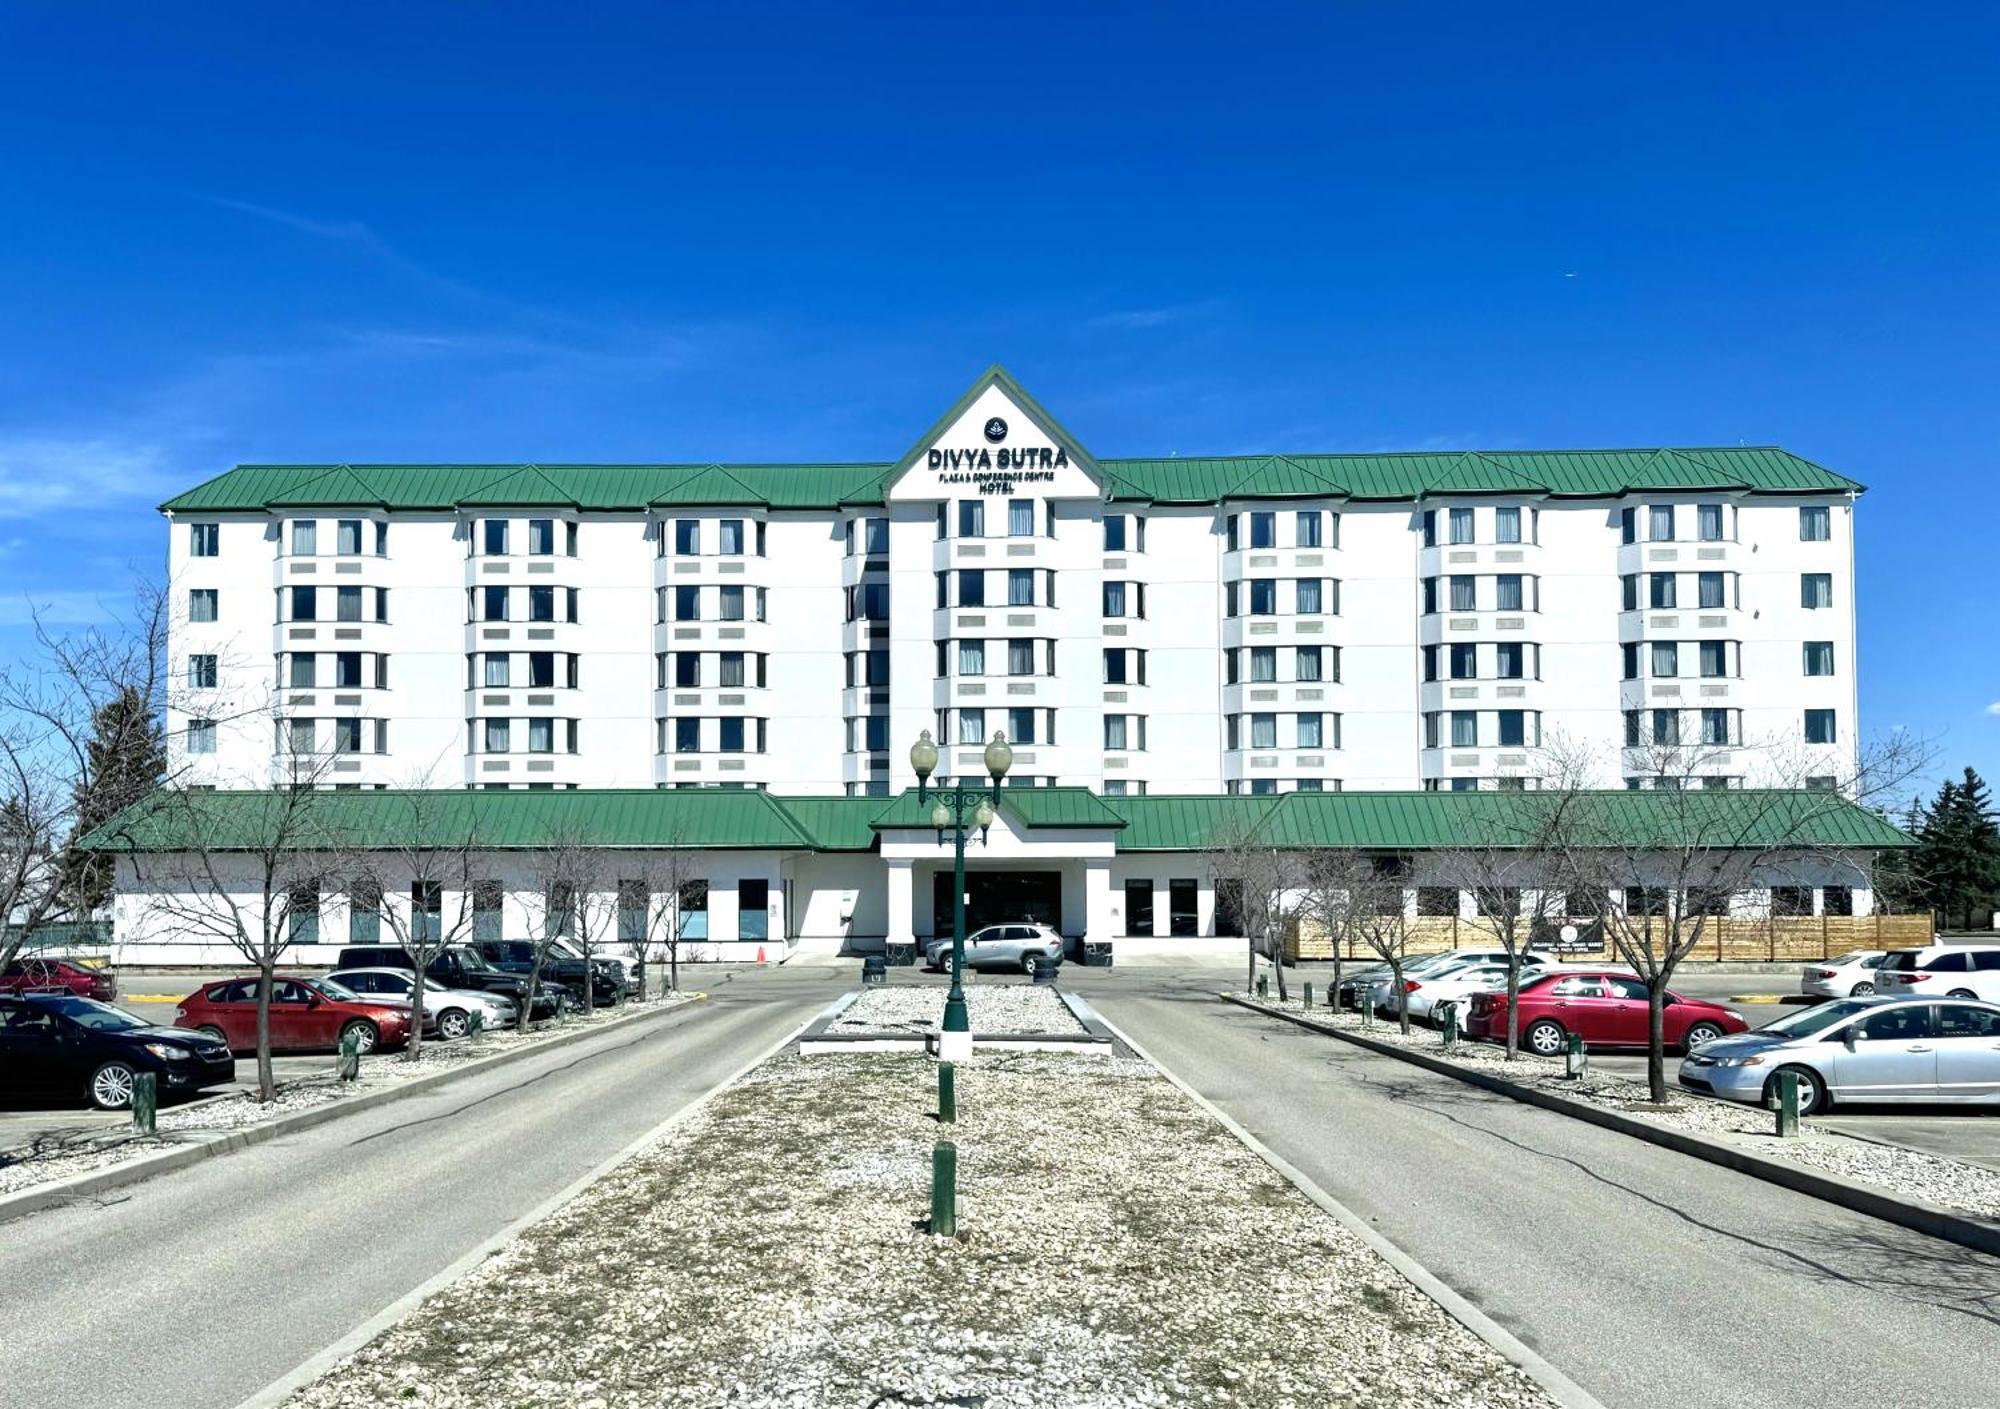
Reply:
x=167, y=1052
x=1739, y=1061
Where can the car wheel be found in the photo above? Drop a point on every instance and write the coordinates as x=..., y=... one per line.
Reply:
x=1861, y=990
x=1546, y=1038
x=453, y=1023
x=1028, y=962
x=1699, y=1034
x=1961, y=993
x=111, y=1087
x=364, y=1033
x=1813, y=1095
x=211, y=1030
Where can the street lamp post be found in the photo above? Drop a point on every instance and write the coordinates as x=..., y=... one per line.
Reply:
x=950, y=810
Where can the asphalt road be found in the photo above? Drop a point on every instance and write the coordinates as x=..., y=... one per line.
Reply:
x=198, y=1288
x=1654, y=1280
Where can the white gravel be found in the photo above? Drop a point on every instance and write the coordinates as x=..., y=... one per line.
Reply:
x=1908, y=1173
x=771, y=1254
x=993, y=1009
x=100, y=1147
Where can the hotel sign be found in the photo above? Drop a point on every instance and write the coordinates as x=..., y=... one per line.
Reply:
x=998, y=471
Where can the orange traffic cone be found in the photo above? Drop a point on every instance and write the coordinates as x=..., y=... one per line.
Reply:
x=760, y=956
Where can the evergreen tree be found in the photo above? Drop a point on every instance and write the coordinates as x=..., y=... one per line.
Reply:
x=125, y=759
x=1956, y=863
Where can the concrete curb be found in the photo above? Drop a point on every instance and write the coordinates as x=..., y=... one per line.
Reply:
x=318, y=1364
x=62, y=1191
x=1917, y=1215
x=1511, y=1348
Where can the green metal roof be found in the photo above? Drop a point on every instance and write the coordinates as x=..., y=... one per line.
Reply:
x=1175, y=480
x=714, y=818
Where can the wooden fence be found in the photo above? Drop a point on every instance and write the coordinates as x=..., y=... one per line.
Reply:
x=1775, y=939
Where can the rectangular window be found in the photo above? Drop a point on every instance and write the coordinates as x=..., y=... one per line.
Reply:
x=971, y=657
x=302, y=913
x=542, y=604
x=732, y=670
x=687, y=537
x=1309, y=521
x=204, y=540
x=1114, y=599
x=541, y=736
x=1464, y=593
x=1709, y=586
x=687, y=604
x=1628, y=525
x=753, y=910
x=1507, y=525
x=1263, y=596
x=1020, y=518
x=730, y=602
x=1708, y=522
x=1020, y=587
x=687, y=669
x=1714, y=659
x=1263, y=529
x=305, y=538
x=1430, y=528
x=1815, y=523
x=732, y=538
x=971, y=587
x=1430, y=595
x=1815, y=590
x=302, y=735
x=1139, y=907
x=1819, y=658
x=1464, y=661
x=542, y=670
x=347, y=537
x=347, y=603
x=687, y=736
x=1464, y=729
x=1021, y=725
x=971, y=518
x=1507, y=660
x=494, y=601
x=732, y=734
x=1114, y=667
x=1431, y=718
x=201, y=736
x=304, y=671
x=972, y=726
x=1630, y=584
x=1507, y=594
x=347, y=670
x=201, y=672
x=542, y=538
x=1309, y=734
x=1715, y=726
x=493, y=537
x=1662, y=590
x=1183, y=916
x=1020, y=657
x=875, y=537
x=499, y=736
x=1461, y=525
x=1819, y=726
x=1114, y=533
x=1263, y=731
x=347, y=736
x=1666, y=726
x=1263, y=663
x=305, y=604
x=1660, y=523
x=1308, y=601
x=499, y=670
x=1666, y=659
x=1114, y=731
x=1229, y=532
x=1513, y=728
x=1629, y=661
x=1310, y=662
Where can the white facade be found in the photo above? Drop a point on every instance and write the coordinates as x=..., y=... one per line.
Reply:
x=1125, y=642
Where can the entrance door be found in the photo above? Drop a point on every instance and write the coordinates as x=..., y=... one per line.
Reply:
x=1139, y=907
x=999, y=898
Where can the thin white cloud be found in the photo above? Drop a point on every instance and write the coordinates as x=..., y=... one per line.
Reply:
x=57, y=608
x=1165, y=315
x=52, y=473
x=1994, y=709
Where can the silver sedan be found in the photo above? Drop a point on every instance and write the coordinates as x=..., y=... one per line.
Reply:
x=447, y=1011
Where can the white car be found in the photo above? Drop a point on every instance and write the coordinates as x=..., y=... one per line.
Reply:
x=1850, y=975
x=447, y=1011
x=1942, y=971
x=1456, y=986
x=1000, y=946
x=1381, y=997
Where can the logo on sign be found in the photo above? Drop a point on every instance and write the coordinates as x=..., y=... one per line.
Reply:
x=996, y=430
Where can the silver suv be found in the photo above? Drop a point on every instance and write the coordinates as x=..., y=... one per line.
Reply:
x=999, y=946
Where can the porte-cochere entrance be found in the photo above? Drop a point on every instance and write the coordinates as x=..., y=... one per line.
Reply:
x=999, y=898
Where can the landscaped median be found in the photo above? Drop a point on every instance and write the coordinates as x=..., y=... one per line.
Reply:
x=1116, y=1247
x=1930, y=1193
x=52, y=1170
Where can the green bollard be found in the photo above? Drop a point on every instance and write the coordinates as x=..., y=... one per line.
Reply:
x=1450, y=1026
x=1308, y=997
x=145, y=1103
x=1788, y=1105
x=944, y=1190
x=1573, y=1058
x=475, y=1025
x=1263, y=986
x=947, y=1093
x=348, y=1068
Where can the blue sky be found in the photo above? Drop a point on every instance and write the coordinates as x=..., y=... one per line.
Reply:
x=600, y=232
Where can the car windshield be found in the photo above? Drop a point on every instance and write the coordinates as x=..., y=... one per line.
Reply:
x=338, y=991
x=1808, y=1021
x=1853, y=956
x=98, y=1017
x=472, y=961
x=1901, y=959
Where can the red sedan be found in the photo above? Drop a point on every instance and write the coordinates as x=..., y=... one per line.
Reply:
x=307, y=1014
x=1604, y=1009
x=33, y=974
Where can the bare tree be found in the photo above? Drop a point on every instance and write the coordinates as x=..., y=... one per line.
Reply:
x=1660, y=874
x=1333, y=884
x=1376, y=906
x=1257, y=881
x=432, y=850
x=668, y=882
x=571, y=900
x=242, y=869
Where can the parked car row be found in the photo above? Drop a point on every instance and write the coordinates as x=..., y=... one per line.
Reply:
x=34, y=973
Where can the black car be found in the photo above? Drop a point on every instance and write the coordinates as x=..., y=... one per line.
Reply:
x=456, y=966
x=605, y=978
x=62, y=1045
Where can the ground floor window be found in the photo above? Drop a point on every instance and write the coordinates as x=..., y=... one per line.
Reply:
x=692, y=905
x=1183, y=918
x=1139, y=907
x=753, y=909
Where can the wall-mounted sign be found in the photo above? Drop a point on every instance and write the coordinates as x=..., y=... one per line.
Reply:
x=998, y=471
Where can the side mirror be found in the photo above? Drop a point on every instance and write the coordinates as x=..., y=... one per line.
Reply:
x=1851, y=1035
x=312, y=1000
